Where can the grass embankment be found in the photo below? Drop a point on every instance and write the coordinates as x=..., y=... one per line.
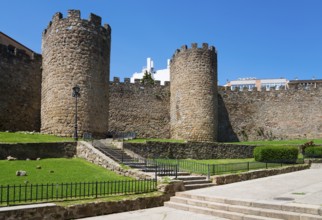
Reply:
x=28, y=137
x=64, y=171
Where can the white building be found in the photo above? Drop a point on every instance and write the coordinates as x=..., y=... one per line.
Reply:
x=161, y=75
x=260, y=84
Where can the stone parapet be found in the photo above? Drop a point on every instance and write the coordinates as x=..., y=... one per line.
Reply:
x=38, y=150
x=255, y=174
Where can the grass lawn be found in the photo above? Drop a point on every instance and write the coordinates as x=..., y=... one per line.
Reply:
x=65, y=171
x=20, y=137
x=144, y=140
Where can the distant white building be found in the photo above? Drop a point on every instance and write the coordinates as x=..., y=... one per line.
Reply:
x=260, y=84
x=161, y=75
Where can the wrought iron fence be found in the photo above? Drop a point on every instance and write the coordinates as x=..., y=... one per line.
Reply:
x=217, y=169
x=29, y=193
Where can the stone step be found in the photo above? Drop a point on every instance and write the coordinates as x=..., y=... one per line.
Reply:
x=215, y=212
x=198, y=186
x=279, y=211
x=189, y=182
x=185, y=178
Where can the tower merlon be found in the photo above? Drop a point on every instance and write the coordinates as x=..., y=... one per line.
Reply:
x=74, y=14
x=95, y=19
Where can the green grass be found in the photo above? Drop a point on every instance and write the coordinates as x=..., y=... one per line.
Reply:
x=143, y=140
x=65, y=171
x=279, y=142
x=26, y=137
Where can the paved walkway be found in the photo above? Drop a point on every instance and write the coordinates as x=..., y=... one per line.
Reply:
x=303, y=187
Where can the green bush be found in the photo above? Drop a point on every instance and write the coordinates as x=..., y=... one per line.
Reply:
x=313, y=152
x=272, y=154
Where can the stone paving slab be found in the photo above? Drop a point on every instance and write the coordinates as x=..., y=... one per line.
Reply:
x=160, y=213
x=303, y=187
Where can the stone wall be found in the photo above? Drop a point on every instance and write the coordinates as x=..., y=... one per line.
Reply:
x=281, y=114
x=193, y=150
x=255, y=174
x=75, y=51
x=20, y=85
x=143, y=109
x=38, y=150
x=193, y=101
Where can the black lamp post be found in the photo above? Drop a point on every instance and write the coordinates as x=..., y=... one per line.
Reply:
x=76, y=94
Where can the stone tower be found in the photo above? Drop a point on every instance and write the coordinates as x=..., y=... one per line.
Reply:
x=194, y=101
x=75, y=51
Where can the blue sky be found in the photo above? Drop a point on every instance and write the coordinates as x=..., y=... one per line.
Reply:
x=254, y=38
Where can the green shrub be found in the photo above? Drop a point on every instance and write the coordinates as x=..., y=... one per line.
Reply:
x=313, y=152
x=272, y=154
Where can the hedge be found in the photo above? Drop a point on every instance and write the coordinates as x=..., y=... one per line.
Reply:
x=269, y=154
x=313, y=152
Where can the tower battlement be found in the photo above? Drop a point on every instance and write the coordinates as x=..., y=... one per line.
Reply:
x=74, y=17
x=9, y=50
x=194, y=46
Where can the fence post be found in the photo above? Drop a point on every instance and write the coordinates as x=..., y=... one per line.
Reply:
x=213, y=169
x=176, y=174
x=96, y=187
x=156, y=172
x=248, y=166
x=208, y=175
x=266, y=165
x=8, y=195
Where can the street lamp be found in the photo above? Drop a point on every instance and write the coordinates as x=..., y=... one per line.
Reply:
x=76, y=94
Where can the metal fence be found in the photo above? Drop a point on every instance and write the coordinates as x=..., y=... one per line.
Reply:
x=217, y=169
x=29, y=193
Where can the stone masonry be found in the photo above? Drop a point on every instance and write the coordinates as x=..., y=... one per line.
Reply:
x=143, y=109
x=193, y=101
x=75, y=51
x=20, y=86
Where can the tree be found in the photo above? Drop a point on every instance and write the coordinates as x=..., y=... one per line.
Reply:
x=147, y=78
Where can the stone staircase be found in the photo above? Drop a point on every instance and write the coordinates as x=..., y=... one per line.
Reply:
x=118, y=155
x=243, y=210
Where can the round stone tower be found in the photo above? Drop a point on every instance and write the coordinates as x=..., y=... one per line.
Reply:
x=75, y=52
x=193, y=87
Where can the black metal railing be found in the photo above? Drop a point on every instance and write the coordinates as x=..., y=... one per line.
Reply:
x=30, y=193
x=217, y=169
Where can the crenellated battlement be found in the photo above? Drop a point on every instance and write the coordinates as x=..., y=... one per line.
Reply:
x=127, y=81
x=228, y=90
x=194, y=46
x=94, y=21
x=9, y=50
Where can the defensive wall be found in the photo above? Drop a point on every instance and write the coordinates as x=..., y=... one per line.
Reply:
x=242, y=115
x=140, y=108
x=20, y=88
x=276, y=114
x=77, y=51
